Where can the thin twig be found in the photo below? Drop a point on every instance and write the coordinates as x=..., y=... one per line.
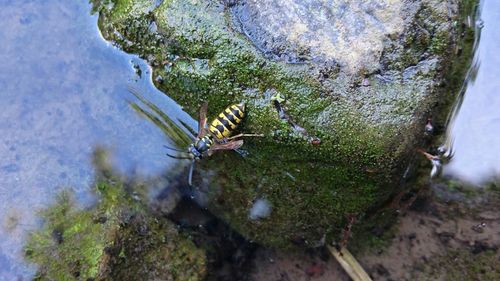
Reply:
x=349, y=264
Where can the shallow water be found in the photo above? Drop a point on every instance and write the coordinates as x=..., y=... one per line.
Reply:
x=474, y=129
x=64, y=93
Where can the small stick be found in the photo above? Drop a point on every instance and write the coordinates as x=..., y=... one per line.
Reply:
x=349, y=264
x=347, y=230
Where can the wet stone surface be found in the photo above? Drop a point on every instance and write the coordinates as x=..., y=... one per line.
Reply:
x=349, y=33
x=364, y=90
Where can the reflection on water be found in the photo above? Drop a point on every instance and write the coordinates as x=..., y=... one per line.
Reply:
x=475, y=126
x=63, y=92
x=153, y=113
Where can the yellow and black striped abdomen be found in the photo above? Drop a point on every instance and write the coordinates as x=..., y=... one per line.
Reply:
x=225, y=124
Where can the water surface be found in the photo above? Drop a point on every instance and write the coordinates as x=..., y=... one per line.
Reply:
x=475, y=126
x=63, y=93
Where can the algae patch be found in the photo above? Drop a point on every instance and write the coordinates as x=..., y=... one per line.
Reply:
x=116, y=239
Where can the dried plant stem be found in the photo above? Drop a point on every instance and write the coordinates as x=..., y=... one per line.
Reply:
x=349, y=264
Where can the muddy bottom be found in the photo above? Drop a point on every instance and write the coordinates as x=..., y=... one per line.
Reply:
x=433, y=240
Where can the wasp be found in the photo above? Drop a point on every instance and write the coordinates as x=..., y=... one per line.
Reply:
x=218, y=135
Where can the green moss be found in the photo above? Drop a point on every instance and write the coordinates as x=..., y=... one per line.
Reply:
x=129, y=24
x=152, y=249
x=440, y=42
x=69, y=233
x=117, y=239
x=310, y=199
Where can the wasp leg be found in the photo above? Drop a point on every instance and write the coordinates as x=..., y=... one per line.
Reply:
x=190, y=176
x=243, y=153
x=245, y=135
x=427, y=155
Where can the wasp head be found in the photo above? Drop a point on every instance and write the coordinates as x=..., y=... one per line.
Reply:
x=241, y=105
x=194, y=152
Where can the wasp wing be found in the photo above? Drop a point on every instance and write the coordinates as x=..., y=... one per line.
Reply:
x=202, y=122
x=225, y=146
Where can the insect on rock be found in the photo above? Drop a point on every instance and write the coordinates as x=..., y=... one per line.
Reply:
x=218, y=135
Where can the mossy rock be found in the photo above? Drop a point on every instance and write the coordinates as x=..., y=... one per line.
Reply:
x=368, y=109
x=117, y=239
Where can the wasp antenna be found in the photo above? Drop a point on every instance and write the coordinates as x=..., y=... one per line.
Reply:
x=171, y=148
x=190, y=176
x=172, y=156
